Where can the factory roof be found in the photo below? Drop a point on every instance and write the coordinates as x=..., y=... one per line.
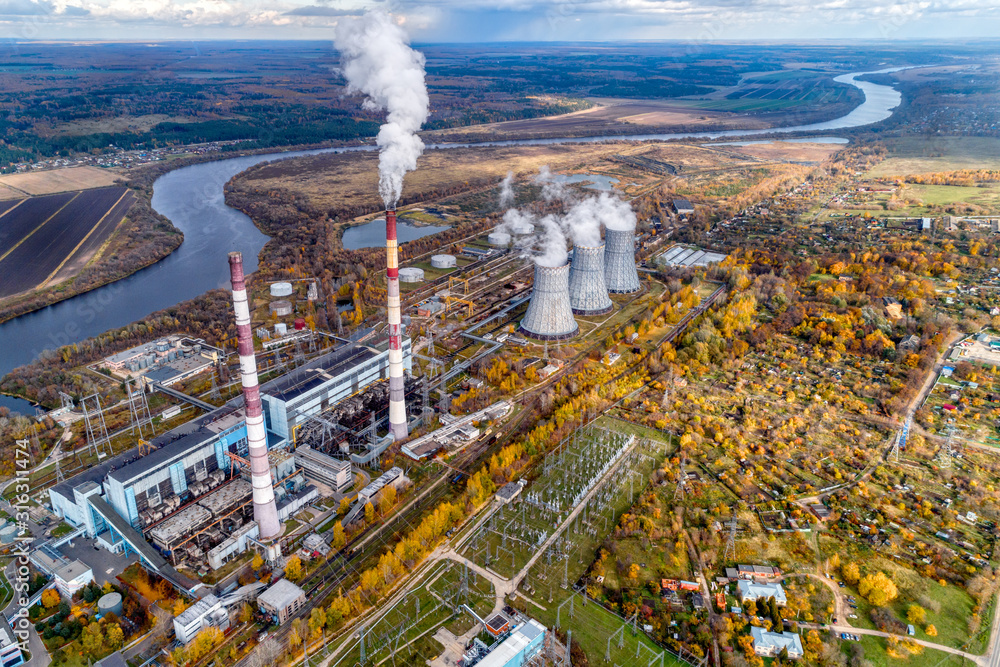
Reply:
x=198, y=610
x=509, y=491
x=223, y=498
x=181, y=523
x=149, y=554
x=179, y=441
x=319, y=458
x=95, y=474
x=72, y=570
x=682, y=204
x=162, y=374
x=317, y=372
x=280, y=595
x=519, y=640
x=145, y=348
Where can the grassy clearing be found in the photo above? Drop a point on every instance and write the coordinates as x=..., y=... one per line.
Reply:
x=919, y=155
x=875, y=653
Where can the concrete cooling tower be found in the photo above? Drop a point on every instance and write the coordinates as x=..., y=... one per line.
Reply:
x=619, y=262
x=588, y=293
x=550, y=316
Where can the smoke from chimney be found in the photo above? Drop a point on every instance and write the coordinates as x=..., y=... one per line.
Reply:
x=265, y=512
x=377, y=61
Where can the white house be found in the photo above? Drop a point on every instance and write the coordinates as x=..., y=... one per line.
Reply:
x=72, y=577
x=751, y=590
x=206, y=612
x=771, y=643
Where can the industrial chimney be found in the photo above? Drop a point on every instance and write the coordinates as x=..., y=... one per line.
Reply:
x=549, y=315
x=588, y=293
x=620, y=274
x=397, y=399
x=265, y=512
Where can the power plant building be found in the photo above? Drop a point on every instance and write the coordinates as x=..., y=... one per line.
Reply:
x=289, y=400
x=523, y=644
x=335, y=473
x=549, y=315
x=588, y=293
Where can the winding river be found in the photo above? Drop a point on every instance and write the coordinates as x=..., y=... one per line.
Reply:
x=192, y=198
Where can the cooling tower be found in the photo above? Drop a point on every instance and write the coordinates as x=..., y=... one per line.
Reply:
x=549, y=315
x=397, y=404
x=265, y=512
x=619, y=262
x=588, y=293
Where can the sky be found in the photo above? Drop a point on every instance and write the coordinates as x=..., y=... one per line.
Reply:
x=506, y=20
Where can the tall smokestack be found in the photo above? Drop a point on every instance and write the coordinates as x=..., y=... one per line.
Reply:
x=265, y=512
x=397, y=400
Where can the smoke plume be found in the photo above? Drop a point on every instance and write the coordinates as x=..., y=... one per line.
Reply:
x=377, y=60
x=507, y=190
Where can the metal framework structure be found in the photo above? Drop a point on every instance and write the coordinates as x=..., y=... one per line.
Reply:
x=97, y=430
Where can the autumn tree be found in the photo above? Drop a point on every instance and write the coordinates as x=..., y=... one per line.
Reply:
x=878, y=588
x=369, y=513
x=293, y=568
x=916, y=614
x=93, y=639
x=50, y=598
x=339, y=539
x=850, y=573
x=257, y=562
x=115, y=636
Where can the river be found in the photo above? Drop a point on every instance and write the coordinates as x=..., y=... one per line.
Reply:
x=192, y=198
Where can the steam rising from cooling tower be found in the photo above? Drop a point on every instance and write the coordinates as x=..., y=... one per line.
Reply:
x=265, y=512
x=377, y=61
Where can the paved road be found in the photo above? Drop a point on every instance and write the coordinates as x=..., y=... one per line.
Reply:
x=39, y=656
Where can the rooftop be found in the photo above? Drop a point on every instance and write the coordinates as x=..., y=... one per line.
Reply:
x=519, y=640
x=327, y=367
x=280, y=595
x=223, y=498
x=181, y=523
x=776, y=640
x=73, y=570
x=196, y=611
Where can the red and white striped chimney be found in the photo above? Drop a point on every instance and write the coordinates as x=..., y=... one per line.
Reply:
x=397, y=400
x=265, y=512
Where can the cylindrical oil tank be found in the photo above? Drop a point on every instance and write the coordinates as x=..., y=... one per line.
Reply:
x=8, y=533
x=281, y=308
x=444, y=262
x=280, y=329
x=499, y=239
x=162, y=345
x=411, y=275
x=521, y=228
x=281, y=289
x=110, y=604
x=300, y=324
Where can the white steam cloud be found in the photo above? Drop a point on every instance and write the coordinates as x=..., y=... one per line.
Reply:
x=581, y=223
x=507, y=190
x=377, y=60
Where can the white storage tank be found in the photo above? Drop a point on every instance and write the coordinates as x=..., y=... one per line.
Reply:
x=522, y=228
x=8, y=533
x=281, y=308
x=110, y=604
x=281, y=289
x=411, y=275
x=280, y=329
x=444, y=262
x=499, y=239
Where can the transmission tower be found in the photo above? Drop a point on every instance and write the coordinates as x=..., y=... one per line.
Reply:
x=139, y=411
x=66, y=400
x=59, y=473
x=666, y=390
x=681, y=477
x=97, y=430
x=214, y=392
x=300, y=357
x=730, y=553
x=946, y=453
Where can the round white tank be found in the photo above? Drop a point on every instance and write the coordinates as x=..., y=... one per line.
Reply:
x=8, y=533
x=522, y=228
x=411, y=275
x=110, y=604
x=499, y=239
x=281, y=308
x=444, y=262
x=280, y=329
x=281, y=289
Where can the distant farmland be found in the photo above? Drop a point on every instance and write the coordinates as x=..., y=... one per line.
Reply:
x=46, y=240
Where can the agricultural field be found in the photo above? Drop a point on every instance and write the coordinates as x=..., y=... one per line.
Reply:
x=58, y=180
x=921, y=155
x=46, y=240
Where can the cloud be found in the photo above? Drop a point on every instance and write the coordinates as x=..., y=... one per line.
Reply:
x=319, y=10
x=26, y=8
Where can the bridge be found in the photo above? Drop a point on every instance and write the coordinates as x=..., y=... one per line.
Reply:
x=207, y=407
